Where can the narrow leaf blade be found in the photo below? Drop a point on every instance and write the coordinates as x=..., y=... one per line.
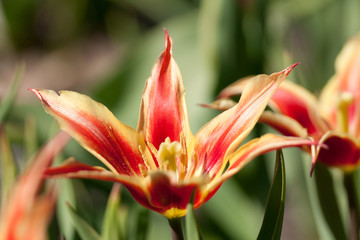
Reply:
x=274, y=212
x=10, y=98
x=83, y=228
x=329, y=201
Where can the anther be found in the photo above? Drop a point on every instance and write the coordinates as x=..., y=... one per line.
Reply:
x=146, y=162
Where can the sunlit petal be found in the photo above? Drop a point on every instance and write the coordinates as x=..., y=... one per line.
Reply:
x=235, y=88
x=223, y=134
x=347, y=66
x=347, y=76
x=163, y=111
x=296, y=102
x=117, y=145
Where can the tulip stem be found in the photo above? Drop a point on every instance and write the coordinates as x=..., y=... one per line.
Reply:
x=176, y=229
x=353, y=206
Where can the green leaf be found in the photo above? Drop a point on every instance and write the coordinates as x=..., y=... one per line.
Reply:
x=274, y=212
x=142, y=224
x=111, y=222
x=10, y=98
x=83, y=228
x=191, y=227
x=329, y=201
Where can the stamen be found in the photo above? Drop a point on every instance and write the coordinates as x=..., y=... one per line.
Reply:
x=146, y=160
x=155, y=153
x=343, y=102
x=143, y=171
x=184, y=156
x=191, y=167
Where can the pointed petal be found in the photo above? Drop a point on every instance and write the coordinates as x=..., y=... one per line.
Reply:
x=296, y=102
x=221, y=104
x=254, y=148
x=289, y=99
x=74, y=169
x=163, y=111
x=347, y=75
x=117, y=145
x=284, y=124
x=223, y=134
x=235, y=88
x=339, y=150
x=347, y=66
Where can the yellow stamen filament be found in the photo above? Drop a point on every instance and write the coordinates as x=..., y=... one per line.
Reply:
x=146, y=160
x=191, y=167
x=143, y=171
x=183, y=164
x=343, y=102
x=155, y=153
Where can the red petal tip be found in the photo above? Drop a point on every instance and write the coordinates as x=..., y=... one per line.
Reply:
x=289, y=69
x=36, y=91
x=168, y=41
x=312, y=169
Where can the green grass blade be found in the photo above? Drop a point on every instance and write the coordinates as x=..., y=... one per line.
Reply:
x=8, y=101
x=111, y=222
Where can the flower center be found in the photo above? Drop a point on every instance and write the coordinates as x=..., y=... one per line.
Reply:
x=343, y=102
x=169, y=153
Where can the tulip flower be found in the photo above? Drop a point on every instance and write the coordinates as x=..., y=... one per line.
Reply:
x=162, y=164
x=332, y=120
x=26, y=213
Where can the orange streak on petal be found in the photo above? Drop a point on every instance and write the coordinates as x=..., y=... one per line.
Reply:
x=26, y=213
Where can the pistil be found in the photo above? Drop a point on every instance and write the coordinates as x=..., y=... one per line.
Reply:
x=168, y=153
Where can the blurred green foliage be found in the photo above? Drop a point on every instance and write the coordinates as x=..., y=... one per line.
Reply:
x=214, y=44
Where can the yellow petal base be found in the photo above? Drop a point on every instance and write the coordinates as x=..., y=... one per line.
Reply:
x=174, y=213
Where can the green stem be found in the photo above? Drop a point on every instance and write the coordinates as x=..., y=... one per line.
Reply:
x=353, y=206
x=176, y=229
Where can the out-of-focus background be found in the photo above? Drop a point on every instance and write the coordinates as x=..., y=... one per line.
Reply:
x=106, y=49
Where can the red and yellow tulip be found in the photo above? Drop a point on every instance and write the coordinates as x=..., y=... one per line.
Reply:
x=162, y=163
x=26, y=213
x=333, y=119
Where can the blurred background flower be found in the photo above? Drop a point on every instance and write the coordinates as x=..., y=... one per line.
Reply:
x=106, y=49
